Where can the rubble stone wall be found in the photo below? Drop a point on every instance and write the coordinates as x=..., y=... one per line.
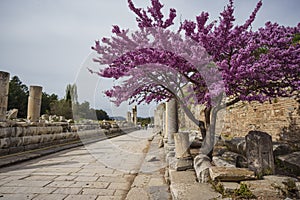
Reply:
x=280, y=118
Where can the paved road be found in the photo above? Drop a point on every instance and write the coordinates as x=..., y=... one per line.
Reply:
x=102, y=170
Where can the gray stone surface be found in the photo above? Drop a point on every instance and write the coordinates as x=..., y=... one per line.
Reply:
x=291, y=162
x=281, y=149
x=230, y=187
x=259, y=153
x=183, y=164
x=182, y=145
x=150, y=182
x=185, y=186
x=237, y=145
x=195, y=191
x=84, y=172
x=271, y=187
x=221, y=162
x=230, y=174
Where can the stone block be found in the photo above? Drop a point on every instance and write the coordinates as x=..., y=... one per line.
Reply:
x=14, y=141
x=5, y=143
x=32, y=146
x=27, y=140
x=19, y=131
x=182, y=176
x=193, y=191
x=271, y=187
x=260, y=153
x=281, y=149
x=35, y=139
x=237, y=145
x=230, y=187
x=4, y=151
x=16, y=149
x=221, y=162
x=7, y=132
x=230, y=174
x=291, y=162
x=31, y=130
x=183, y=164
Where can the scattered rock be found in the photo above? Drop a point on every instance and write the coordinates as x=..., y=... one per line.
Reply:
x=12, y=114
x=272, y=187
x=230, y=187
x=221, y=162
x=230, y=174
x=237, y=145
x=152, y=158
x=281, y=149
x=291, y=162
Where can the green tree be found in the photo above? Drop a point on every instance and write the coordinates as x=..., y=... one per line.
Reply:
x=61, y=108
x=102, y=115
x=18, y=96
x=47, y=100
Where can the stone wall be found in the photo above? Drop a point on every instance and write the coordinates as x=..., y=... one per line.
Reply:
x=23, y=137
x=281, y=119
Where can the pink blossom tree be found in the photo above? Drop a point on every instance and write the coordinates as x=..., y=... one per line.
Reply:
x=214, y=64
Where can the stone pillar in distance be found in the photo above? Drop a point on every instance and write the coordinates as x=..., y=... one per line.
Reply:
x=4, y=86
x=129, y=119
x=134, y=115
x=259, y=151
x=34, y=103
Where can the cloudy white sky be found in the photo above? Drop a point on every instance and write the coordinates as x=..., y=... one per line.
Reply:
x=47, y=42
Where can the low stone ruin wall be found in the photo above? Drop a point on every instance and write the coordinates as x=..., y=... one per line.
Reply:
x=20, y=138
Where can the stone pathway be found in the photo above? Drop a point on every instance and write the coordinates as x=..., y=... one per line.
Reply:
x=102, y=170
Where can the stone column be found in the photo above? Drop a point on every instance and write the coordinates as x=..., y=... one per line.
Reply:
x=259, y=151
x=134, y=115
x=171, y=129
x=34, y=103
x=4, y=86
x=165, y=124
x=129, y=117
x=172, y=120
x=182, y=145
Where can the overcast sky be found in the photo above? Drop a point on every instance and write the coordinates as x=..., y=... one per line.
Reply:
x=47, y=42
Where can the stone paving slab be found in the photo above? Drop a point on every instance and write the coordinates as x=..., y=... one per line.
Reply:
x=184, y=186
x=79, y=173
x=150, y=184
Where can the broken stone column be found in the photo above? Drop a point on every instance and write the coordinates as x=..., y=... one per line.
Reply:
x=4, y=86
x=182, y=151
x=259, y=151
x=34, y=103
